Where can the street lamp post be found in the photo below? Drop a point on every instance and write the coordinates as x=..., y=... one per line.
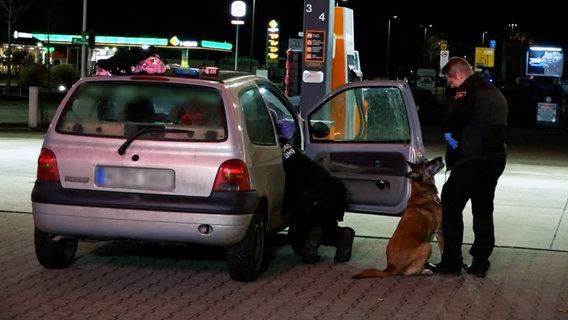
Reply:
x=83, y=46
x=426, y=31
x=512, y=25
x=252, y=34
x=238, y=10
x=483, y=38
x=388, y=45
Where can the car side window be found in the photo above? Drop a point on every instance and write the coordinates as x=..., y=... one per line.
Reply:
x=284, y=120
x=386, y=115
x=375, y=114
x=257, y=117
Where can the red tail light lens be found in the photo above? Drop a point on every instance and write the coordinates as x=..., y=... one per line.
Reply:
x=47, y=166
x=233, y=175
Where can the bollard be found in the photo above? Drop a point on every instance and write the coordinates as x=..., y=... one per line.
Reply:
x=33, y=106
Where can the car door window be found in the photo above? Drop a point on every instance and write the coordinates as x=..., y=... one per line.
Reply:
x=364, y=134
x=282, y=115
x=375, y=114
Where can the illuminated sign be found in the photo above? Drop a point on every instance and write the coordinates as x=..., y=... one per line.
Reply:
x=272, y=42
x=79, y=41
x=179, y=43
x=216, y=45
x=314, y=46
x=484, y=58
x=545, y=61
x=64, y=38
x=128, y=41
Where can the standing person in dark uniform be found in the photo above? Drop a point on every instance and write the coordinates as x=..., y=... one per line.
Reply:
x=476, y=154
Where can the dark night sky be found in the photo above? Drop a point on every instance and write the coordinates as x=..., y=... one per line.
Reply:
x=194, y=20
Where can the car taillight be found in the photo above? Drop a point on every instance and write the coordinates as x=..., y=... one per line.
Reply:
x=232, y=176
x=47, y=166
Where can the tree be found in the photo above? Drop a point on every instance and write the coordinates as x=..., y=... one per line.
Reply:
x=10, y=10
x=516, y=47
x=18, y=59
x=431, y=50
x=64, y=74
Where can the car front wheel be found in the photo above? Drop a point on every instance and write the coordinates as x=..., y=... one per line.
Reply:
x=54, y=254
x=244, y=259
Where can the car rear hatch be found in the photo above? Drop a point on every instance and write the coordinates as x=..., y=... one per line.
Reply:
x=141, y=137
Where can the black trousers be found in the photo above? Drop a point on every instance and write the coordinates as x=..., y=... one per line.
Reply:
x=473, y=181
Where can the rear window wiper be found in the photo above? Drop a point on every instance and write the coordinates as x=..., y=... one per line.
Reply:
x=122, y=149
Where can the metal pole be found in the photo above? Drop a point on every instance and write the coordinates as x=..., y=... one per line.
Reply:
x=388, y=49
x=252, y=34
x=426, y=31
x=84, y=47
x=237, y=48
x=238, y=10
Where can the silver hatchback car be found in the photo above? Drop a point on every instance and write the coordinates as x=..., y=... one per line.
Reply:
x=173, y=158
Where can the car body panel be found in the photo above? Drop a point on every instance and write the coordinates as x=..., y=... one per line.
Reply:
x=142, y=225
x=194, y=162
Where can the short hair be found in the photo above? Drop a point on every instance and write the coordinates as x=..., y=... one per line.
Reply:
x=455, y=65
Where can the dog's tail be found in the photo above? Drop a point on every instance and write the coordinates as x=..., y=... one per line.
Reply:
x=375, y=273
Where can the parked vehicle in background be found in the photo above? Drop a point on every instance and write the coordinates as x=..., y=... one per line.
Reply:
x=189, y=157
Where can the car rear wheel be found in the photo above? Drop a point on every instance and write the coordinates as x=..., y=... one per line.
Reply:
x=54, y=254
x=244, y=259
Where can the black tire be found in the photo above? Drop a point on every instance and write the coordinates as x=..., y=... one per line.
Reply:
x=244, y=259
x=54, y=254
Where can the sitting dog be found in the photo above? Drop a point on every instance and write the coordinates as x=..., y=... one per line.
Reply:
x=409, y=248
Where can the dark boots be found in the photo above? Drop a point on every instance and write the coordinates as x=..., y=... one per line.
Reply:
x=310, y=250
x=344, y=244
x=341, y=238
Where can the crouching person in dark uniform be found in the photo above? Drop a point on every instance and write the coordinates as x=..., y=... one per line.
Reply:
x=316, y=201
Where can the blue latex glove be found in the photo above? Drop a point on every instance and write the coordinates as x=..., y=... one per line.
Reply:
x=451, y=141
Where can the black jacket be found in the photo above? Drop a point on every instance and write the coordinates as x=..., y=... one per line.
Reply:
x=477, y=119
x=312, y=195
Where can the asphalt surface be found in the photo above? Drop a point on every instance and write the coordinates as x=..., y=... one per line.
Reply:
x=528, y=278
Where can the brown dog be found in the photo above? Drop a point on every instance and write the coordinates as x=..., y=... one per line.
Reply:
x=409, y=247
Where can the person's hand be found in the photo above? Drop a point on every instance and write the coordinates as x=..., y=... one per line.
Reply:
x=450, y=140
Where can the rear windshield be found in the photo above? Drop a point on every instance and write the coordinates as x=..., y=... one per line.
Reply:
x=122, y=109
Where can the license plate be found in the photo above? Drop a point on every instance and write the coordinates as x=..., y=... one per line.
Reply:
x=134, y=178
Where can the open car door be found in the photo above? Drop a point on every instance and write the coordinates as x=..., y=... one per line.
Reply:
x=364, y=133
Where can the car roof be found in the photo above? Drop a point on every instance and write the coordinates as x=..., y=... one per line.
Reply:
x=222, y=76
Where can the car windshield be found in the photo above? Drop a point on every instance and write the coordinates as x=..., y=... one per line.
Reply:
x=123, y=109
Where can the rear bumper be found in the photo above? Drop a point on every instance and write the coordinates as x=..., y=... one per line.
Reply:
x=106, y=215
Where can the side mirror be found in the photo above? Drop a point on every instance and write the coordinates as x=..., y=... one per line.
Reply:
x=320, y=130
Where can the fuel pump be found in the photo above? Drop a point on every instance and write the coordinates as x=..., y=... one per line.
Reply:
x=345, y=66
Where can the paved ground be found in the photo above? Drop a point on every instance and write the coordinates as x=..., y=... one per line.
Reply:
x=528, y=278
x=123, y=280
